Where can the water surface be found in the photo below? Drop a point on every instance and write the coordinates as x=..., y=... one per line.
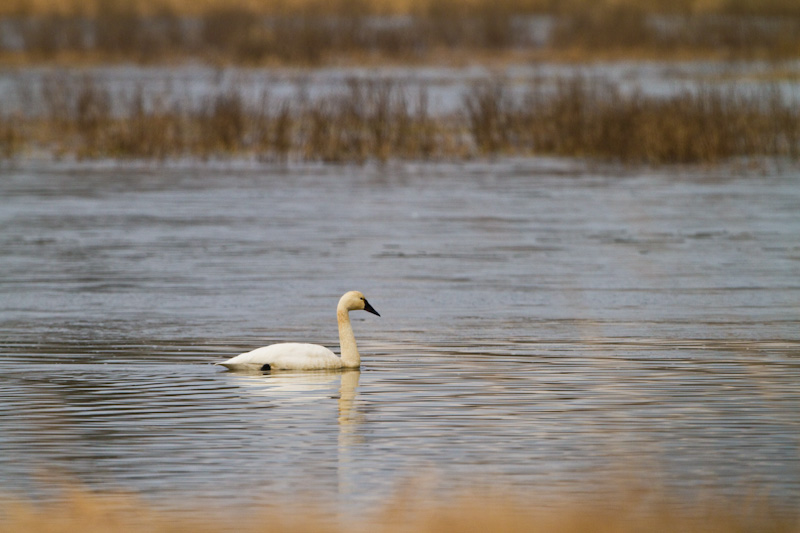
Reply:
x=545, y=328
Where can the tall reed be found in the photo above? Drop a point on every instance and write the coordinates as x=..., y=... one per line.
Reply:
x=383, y=119
x=596, y=119
x=11, y=137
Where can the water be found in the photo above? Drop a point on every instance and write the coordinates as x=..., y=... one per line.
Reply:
x=545, y=328
x=193, y=86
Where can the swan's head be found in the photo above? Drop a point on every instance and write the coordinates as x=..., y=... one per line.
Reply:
x=355, y=301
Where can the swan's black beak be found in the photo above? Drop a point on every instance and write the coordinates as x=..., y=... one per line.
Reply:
x=368, y=308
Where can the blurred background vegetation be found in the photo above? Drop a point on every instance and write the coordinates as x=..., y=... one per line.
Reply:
x=316, y=31
x=381, y=119
x=570, y=117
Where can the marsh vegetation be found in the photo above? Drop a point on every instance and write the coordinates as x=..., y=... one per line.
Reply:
x=311, y=32
x=381, y=119
x=378, y=119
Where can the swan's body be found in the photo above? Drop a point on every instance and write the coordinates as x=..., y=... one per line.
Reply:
x=297, y=356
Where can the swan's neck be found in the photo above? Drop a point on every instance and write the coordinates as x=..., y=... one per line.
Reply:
x=347, y=340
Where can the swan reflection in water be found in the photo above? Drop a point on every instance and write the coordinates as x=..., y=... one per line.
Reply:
x=295, y=387
x=317, y=388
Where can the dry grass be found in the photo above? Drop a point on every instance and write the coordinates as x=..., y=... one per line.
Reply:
x=631, y=28
x=381, y=120
x=87, y=512
x=197, y=7
x=371, y=120
x=317, y=31
x=595, y=119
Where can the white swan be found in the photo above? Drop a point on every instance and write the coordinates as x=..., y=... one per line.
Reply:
x=296, y=356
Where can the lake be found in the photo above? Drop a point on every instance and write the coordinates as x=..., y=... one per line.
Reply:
x=546, y=327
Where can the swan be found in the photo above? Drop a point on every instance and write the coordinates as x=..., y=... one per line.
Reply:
x=297, y=356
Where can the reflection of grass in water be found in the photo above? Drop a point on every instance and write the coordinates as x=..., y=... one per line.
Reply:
x=87, y=512
x=380, y=120
x=313, y=31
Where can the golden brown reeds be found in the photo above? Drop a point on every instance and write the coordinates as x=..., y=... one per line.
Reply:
x=197, y=7
x=11, y=138
x=315, y=31
x=593, y=119
x=382, y=119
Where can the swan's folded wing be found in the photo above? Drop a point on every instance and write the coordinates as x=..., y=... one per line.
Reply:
x=286, y=356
